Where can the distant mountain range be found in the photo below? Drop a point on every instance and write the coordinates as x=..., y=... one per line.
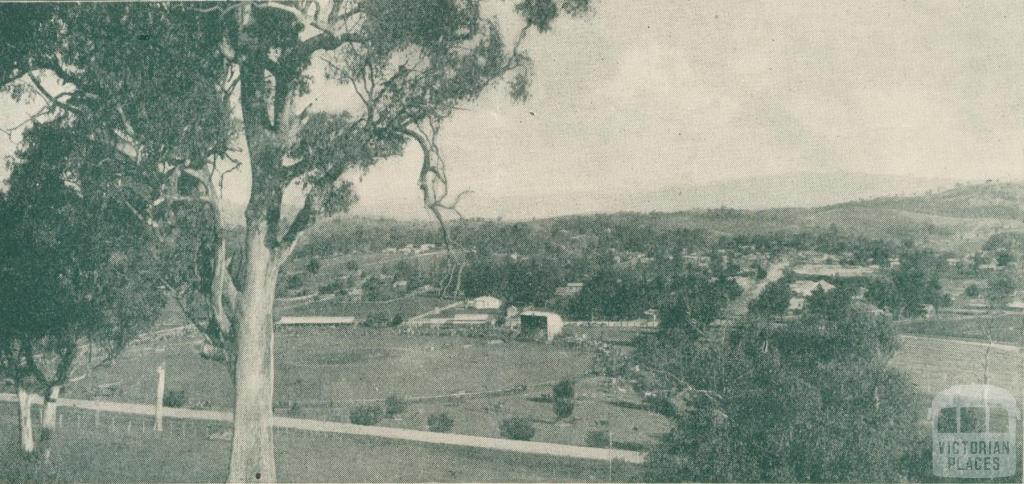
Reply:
x=805, y=189
x=958, y=219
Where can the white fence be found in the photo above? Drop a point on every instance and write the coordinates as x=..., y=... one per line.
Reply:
x=526, y=447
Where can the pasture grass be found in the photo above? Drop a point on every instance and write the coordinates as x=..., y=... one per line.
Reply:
x=104, y=455
x=935, y=365
x=323, y=373
x=1003, y=328
x=406, y=307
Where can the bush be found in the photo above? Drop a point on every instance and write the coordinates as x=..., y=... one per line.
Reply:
x=516, y=428
x=660, y=404
x=175, y=398
x=598, y=438
x=394, y=405
x=365, y=415
x=564, y=389
x=564, y=393
x=564, y=407
x=440, y=422
x=377, y=320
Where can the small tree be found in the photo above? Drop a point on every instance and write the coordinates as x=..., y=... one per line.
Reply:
x=564, y=407
x=313, y=266
x=564, y=395
x=516, y=428
x=175, y=398
x=599, y=438
x=365, y=415
x=972, y=291
x=440, y=422
x=1001, y=287
x=773, y=300
x=394, y=406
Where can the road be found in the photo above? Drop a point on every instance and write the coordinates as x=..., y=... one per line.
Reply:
x=738, y=307
x=526, y=447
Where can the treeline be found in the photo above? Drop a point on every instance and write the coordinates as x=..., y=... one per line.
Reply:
x=636, y=233
x=611, y=290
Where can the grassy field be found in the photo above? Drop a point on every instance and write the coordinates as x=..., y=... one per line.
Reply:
x=935, y=365
x=1004, y=328
x=324, y=373
x=186, y=453
x=406, y=307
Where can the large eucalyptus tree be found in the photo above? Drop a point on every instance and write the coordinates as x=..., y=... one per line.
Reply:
x=166, y=85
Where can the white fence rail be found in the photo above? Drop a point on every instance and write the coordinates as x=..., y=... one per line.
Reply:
x=538, y=448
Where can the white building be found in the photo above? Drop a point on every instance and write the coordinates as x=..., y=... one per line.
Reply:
x=531, y=322
x=486, y=302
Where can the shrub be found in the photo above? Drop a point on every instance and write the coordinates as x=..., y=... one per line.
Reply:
x=598, y=438
x=365, y=415
x=377, y=320
x=394, y=405
x=660, y=404
x=175, y=398
x=313, y=266
x=564, y=393
x=972, y=291
x=564, y=407
x=564, y=389
x=516, y=428
x=440, y=422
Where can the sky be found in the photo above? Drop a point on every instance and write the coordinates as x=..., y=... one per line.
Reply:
x=650, y=94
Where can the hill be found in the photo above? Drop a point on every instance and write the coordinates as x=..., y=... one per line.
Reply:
x=960, y=220
x=801, y=189
x=985, y=200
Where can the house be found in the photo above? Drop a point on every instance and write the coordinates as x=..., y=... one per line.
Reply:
x=806, y=288
x=537, y=323
x=400, y=285
x=294, y=321
x=485, y=302
x=803, y=289
x=569, y=290
x=472, y=318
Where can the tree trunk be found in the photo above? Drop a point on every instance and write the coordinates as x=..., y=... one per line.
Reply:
x=252, y=448
x=49, y=421
x=988, y=351
x=50, y=412
x=28, y=442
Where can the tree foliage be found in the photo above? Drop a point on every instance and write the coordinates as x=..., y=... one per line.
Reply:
x=773, y=300
x=811, y=400
x=80, y=272
x=154, y=89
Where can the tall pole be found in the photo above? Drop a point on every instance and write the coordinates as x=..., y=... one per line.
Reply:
x=159, y=404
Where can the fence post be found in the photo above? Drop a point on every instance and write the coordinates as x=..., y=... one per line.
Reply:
x=158, y=426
